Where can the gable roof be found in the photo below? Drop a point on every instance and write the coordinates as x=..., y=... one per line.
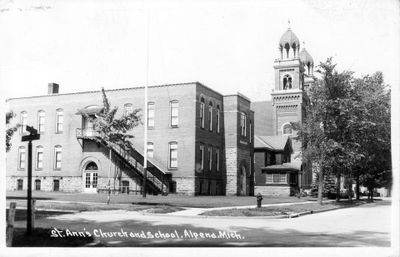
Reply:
x=274, y=143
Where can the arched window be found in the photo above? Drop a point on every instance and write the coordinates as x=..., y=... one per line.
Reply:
x=41, y=121
x=287, y=48
x=202, y=107
x=218, y=118
x=210, y=116
x=174, y=120
x=287, y=82
x=243, y=121
x=39, y=157
x=24, y=121
x=287, y=129
x=59, y=120
x=91, y=166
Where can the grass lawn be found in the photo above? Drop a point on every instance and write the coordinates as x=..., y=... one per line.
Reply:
x=151, y=200
x=282, y=210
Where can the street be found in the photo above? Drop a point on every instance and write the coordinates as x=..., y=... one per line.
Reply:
x=366, y=225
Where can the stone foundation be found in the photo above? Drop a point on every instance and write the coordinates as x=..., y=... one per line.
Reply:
x=66, y=184
x=272, y=190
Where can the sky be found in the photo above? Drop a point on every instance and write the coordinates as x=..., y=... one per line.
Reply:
x=229, y=46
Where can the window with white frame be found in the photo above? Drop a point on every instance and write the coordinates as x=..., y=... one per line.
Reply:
x=202, y=110
x=150, y=114
x=218, y=118
x=173, y=155
x=276, y=178
x=39, y=157
x=243, y=120
x=128, y=109
x=41, y=121
x=202, y=157
x=59, y=120
x=21, y=158
x=150, y=149
x=210, y=158
x=57, y=157
x=287, y=129
x=210, y=116
x=174, y=105
x=24, y=121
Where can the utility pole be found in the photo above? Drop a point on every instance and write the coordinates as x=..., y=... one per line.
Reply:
x=32, y=136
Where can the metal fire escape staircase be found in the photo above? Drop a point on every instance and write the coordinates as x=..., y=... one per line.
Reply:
x=158, y=181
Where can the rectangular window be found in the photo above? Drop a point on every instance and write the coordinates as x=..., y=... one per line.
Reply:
x=37, y=184
x=24, y=122
x=276, y=178
x=56, y=185
x=174, y=113
x=59, y=121
x=94, y=182
x=151, y=114
x=39, y=158
x=242, y=124
x=201, y=157
x=173, y=155
x=150, y=149
x=87, y=180
x=21, y=158
x=57, y=157
x=210, y=120
x=269, y=179
x=20, y=184
x=41, y=121
x=210, y=159
x=202, y=115
x=250, y=132
x=128, y=109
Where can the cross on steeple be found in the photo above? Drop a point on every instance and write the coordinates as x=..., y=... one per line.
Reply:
x=288, y=23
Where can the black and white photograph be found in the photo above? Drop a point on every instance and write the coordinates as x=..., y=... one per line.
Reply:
x=190, y=128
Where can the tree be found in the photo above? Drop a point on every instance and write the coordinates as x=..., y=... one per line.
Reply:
x=10, y=130
x=111, y=129
x=325, y=132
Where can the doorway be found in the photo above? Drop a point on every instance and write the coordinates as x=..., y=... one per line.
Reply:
x=91, y=177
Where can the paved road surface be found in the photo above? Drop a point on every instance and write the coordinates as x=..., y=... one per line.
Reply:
x=366, y=225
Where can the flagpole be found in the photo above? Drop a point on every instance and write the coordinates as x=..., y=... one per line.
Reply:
x=145, y=103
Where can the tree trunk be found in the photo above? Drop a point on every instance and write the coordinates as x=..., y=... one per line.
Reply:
x=109, y=179
x=320, y=185
x=350, y=189
x=357, y=186
x=337, y=187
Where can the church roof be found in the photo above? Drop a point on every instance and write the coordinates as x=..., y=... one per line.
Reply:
x=263, y=119
x=305, y=57
x=289, y=37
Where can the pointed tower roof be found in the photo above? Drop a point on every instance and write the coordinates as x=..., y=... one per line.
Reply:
x=289, y=37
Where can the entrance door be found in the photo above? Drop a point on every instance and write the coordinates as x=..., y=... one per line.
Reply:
x=90, y=175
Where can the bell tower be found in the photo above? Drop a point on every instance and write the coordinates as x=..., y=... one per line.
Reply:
x=289, y=92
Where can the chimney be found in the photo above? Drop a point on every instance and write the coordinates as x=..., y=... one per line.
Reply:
x=53, y=88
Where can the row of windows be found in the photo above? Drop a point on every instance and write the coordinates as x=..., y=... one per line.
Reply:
x=210, y=157
x=39, y=157
x=41, y=118
x=38, y=184
x=172, y=153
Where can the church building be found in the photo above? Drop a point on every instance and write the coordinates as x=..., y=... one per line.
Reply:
x=279, y=169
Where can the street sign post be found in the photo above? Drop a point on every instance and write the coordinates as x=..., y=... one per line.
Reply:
x=32, y=136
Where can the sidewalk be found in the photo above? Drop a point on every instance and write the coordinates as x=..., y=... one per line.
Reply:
x=198, y=211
